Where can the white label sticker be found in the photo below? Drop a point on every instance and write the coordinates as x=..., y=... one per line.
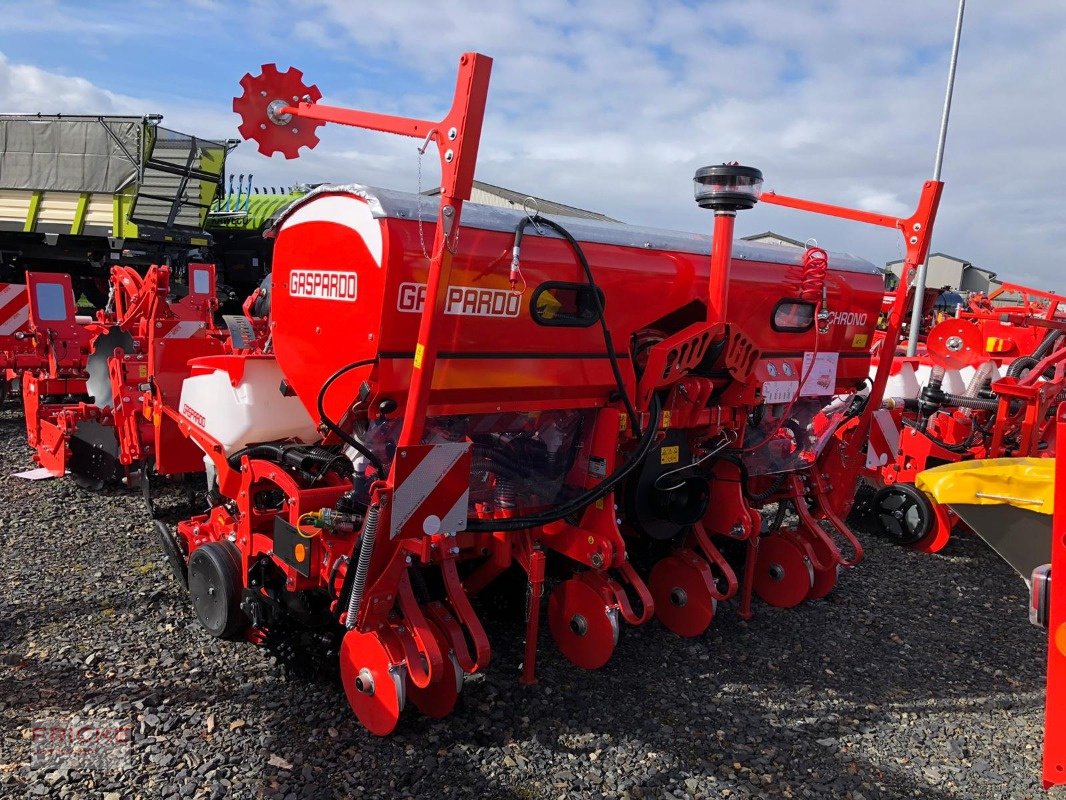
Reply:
x=462, y=301
x=322, y=284
x=821, y=378
x=779, y=391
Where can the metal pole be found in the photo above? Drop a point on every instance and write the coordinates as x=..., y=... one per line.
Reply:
x=923, y=268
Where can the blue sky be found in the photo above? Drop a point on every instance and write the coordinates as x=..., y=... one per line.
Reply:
x=612, y=105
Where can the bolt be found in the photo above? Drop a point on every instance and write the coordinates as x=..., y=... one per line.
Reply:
x=917, y=226
x=913, y=240
x=679, y=597
x=448, y=156
x=452, y=133
x=579, y=625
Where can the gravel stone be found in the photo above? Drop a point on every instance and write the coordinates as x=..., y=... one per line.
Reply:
x=920, y=676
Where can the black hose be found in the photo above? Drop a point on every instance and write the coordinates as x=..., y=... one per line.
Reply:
x=1045, y=346
x=298, y=456
x=1020, y=365
x=962, y=401
x=536, y=219
x=343, y=435
x=774, y=488
x=585, y=499
x=961, y=447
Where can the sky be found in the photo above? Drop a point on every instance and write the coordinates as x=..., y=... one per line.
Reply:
x=612, y=105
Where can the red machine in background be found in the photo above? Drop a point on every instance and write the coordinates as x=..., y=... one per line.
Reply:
x=92, y=388
x=984, y=386
x=624, y=414
x=15, y=345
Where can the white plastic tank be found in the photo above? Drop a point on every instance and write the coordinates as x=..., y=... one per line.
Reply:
x=237, y=400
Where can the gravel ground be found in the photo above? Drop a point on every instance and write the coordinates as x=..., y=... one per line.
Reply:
x=919, y=677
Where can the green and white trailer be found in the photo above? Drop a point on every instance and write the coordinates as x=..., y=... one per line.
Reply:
x=80, y=193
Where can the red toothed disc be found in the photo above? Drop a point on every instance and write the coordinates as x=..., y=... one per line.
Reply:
x=681, y=585
x=784, y=575
x=374, y=687
x=584, y=629
x=955, y=343
x=438, y=699
x=261, y=119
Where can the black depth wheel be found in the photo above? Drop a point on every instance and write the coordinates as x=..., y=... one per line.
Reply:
x=215, y=586
x=904, y=514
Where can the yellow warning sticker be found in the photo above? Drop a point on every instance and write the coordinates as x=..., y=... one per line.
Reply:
x=622, y=422
x=670, y=455
x=420, y=352
x=859, y=340
x=666, y=421
x=142, y=371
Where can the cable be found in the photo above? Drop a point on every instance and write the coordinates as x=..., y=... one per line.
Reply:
x=728, y=438
x=343, y=435
x=585, y=499
x=537, y=220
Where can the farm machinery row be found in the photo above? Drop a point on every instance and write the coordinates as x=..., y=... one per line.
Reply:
x=637, y=422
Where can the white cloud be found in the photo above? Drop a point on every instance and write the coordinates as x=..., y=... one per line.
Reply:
x=27, y=89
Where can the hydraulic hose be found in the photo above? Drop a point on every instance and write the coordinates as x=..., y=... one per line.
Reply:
x=536, y=219
x=963, y=401
x=588, y=497
x=342, y=434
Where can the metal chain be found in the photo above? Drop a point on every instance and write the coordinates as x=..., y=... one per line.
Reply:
x=418, y=207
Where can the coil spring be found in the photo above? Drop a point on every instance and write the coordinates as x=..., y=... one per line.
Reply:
x=815, y=269
x=362, y=566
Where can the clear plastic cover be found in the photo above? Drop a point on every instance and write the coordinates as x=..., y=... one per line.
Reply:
x=520, y=460
x=778, y=445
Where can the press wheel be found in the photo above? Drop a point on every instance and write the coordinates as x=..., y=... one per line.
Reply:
x=215, y=587
x=373, y=684
x=584, y=628
x=784, y=574
x=904, y=514
x=825, y=577
x=680, y=585
x=439, y=698
x=939, y=532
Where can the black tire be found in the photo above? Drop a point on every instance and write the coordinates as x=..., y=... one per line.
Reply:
x=903, y=513
x=215, y=587
x=173, y=551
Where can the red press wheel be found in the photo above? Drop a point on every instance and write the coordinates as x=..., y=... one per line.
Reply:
x=784, y=575
x=373, y=684
x=584, y=629
x=681, y=586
